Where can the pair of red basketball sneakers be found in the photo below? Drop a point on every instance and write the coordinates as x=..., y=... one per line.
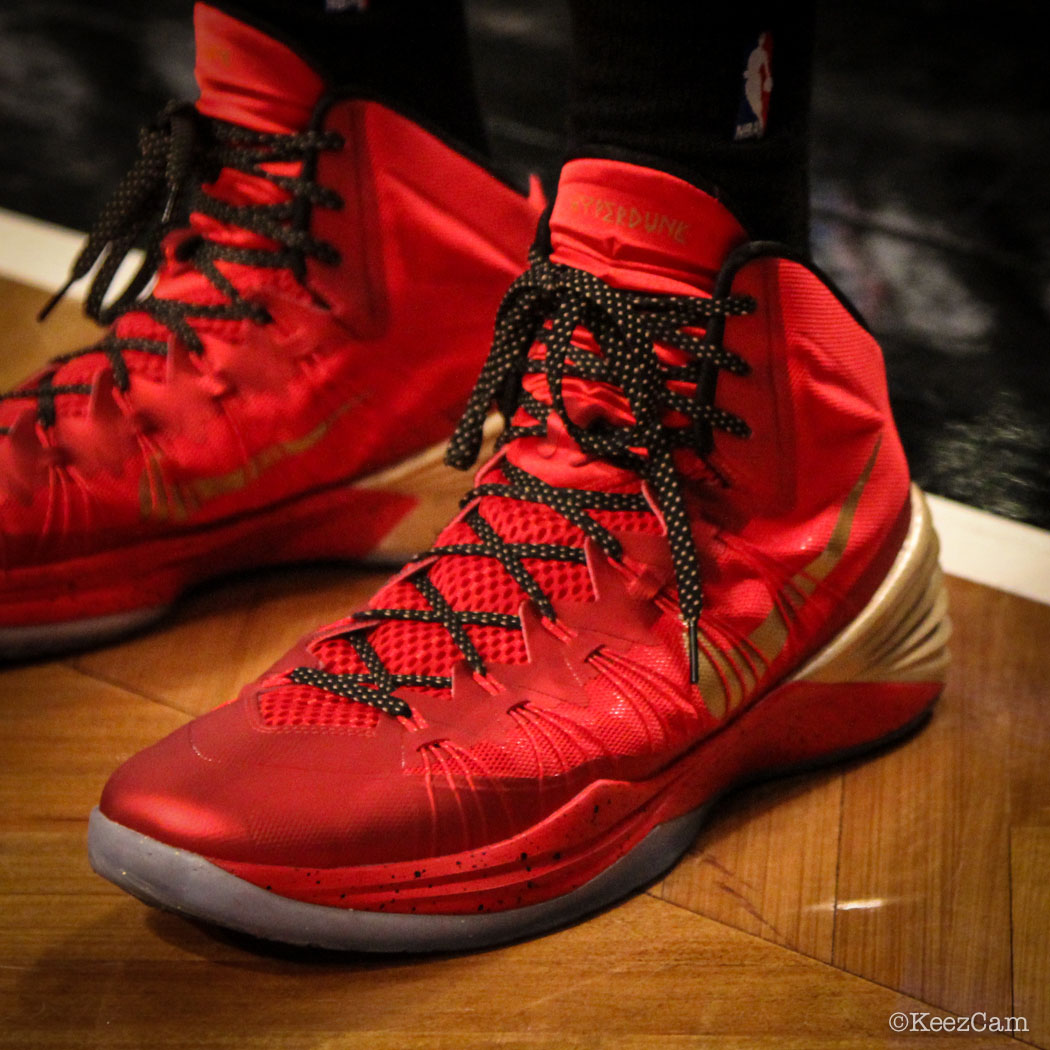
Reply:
x=695, y=556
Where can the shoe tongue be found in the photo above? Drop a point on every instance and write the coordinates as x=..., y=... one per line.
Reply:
x=635, y=228
x=639, y=228
x=248, y=78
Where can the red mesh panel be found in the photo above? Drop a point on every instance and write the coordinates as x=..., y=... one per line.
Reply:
x=627, y=520
x=482, y=584
x=476, y=583
x=519, y=522
x=83, y=369
x=563, y=581
x=339, y=657
x=398, y=595
x=407, y=647
x=498, y=645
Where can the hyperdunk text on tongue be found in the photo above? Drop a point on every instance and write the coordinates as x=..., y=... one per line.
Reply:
x=655, y=222
x=639, y=228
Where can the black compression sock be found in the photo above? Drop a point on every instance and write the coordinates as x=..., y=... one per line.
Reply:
x=685, y=87
x=400, y=51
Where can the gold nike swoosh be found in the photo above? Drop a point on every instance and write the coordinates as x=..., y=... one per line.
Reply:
x=164, y=500
x=726, y=677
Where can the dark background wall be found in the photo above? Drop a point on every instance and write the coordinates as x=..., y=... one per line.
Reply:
x=931, y=162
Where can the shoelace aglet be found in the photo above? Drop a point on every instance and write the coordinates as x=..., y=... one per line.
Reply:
x=693, y=645
x=56, y=298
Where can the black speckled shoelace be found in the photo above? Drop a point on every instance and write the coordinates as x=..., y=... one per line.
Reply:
x=179, y=152
x=625, y=326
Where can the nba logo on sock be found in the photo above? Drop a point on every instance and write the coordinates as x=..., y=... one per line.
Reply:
x=758, y=86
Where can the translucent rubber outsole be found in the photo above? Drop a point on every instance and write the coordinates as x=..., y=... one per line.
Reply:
x=186, y=884
x=182, y=882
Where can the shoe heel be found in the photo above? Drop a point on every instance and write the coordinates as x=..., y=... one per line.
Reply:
x=902, y=634
x=872, y=684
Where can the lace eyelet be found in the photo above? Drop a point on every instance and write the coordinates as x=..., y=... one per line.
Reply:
x=185, y=248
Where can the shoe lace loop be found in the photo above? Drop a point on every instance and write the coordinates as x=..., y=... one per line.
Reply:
x=546, y=306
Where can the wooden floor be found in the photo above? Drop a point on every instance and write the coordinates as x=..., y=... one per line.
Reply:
x=809, y=911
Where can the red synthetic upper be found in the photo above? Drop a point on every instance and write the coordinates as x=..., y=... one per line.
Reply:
x=673, y=240
x=248, y=78
x=794, y=528
x=367, y=360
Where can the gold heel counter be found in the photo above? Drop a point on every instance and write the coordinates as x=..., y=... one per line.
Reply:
x=902, y=634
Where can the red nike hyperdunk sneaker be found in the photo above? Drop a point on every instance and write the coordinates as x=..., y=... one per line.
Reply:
x=325, y=274
x=695, y=559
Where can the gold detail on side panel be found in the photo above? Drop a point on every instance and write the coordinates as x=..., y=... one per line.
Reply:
x=767, y=641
